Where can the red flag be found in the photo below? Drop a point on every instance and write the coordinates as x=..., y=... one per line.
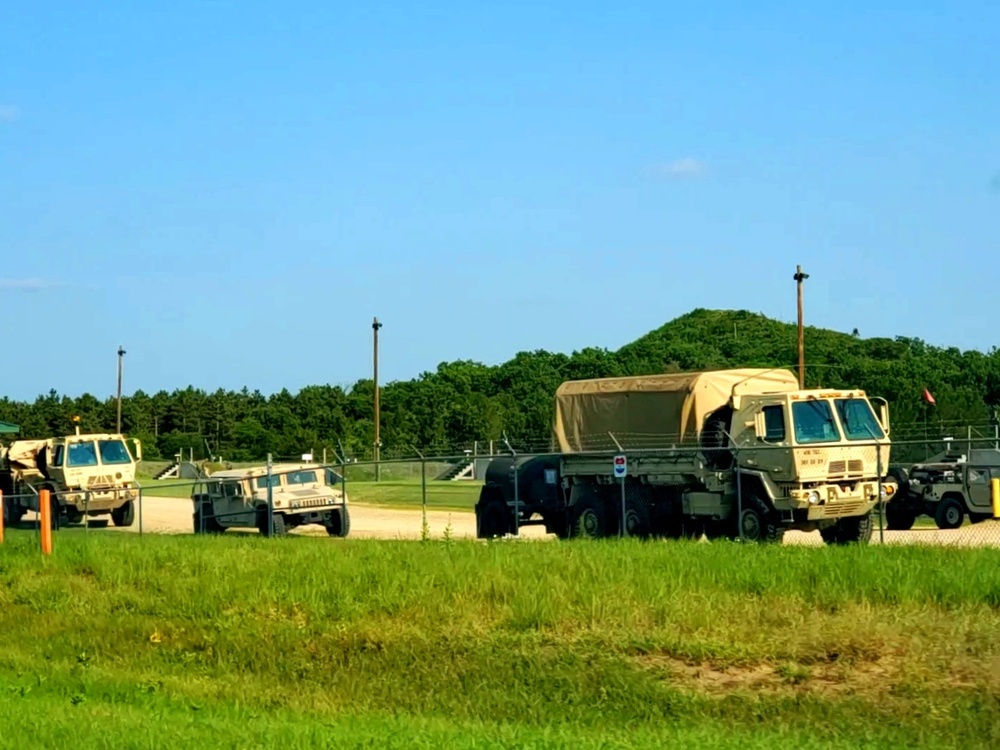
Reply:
x=928, y=397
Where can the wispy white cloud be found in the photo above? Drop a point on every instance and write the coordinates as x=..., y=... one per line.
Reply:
x=686, y=167
x=30, y=284
x=9, y=112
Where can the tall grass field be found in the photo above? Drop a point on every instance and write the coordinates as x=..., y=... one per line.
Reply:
x=120, y=641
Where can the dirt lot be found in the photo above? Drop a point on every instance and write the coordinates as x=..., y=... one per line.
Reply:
x=166, y=515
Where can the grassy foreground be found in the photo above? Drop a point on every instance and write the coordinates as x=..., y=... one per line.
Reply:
x=240, y=641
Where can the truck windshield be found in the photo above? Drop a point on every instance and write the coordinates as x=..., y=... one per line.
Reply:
x=114, y=452
x=301, y=477
x=858, y=419
x=814, y=422
x=81, y=454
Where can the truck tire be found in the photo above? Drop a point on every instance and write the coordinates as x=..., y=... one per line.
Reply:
x=492, y=516
x=124, y=515
x=637, y=519
x=588, y=519
x=853, y=530
x=757, y=523
x=950, y=513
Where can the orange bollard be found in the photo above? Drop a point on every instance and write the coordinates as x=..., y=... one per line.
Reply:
x=45, y=520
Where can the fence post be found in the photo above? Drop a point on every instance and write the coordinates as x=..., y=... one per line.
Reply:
x=517, y=496
x=270, y=499
x=45, y=520
x=3, y=514
x=138, y=501
x=881, y=500
x=86, y=512
x=739, y=494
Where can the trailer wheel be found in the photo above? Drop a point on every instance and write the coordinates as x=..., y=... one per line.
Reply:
x=756, y=523
x=589, y=519
x=950, y=513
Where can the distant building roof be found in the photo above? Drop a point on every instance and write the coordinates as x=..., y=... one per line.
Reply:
x=6, y=428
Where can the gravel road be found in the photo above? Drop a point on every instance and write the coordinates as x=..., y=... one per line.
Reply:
x=165, y=515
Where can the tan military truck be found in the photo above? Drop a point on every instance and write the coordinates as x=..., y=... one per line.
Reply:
x=740, y=453
x=87, y=475
x=300, y=495
x=948, y=487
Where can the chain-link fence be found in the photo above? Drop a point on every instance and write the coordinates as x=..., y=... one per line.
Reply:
x=652, y=487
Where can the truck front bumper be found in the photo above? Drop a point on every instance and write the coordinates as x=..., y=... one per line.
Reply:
x=833, y=501
x=98, y=501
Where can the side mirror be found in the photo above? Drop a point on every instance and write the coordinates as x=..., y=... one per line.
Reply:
x=883, y=413
x=138, y=449
x=759, y=425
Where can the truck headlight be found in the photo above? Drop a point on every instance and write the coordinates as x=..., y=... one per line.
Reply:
x=814, y=497
x=883, y=492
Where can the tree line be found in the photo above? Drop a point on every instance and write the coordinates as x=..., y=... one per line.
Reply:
x=462, y=403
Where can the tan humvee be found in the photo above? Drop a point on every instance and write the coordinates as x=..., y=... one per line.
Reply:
x=87, y=475
x=300, y=494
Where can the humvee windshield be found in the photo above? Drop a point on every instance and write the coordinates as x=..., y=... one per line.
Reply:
x=301, y=477
x=262, y=481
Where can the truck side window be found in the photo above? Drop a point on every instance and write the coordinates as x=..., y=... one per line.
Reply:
x=774, y=423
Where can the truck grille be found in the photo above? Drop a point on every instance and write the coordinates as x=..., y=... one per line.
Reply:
x=834, y=510
x=854, y=466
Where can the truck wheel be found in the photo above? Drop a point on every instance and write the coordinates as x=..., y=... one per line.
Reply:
x=853, y=530
x=205, y=521
x=637, y=520
x=757, y=524
x=492, y=516
x=950, y=513
x=335, y=527
x=589, y=520
x=899, y=519
x=124, y=515
x=73, y=515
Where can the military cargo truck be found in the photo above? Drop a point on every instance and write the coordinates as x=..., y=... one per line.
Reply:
x=88, y=475
x=948, y=487
x=300, y=495
x=750, y=456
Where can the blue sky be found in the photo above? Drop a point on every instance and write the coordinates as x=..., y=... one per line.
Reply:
x=233, y=191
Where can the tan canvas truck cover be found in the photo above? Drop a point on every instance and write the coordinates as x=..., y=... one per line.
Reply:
x=22, y=455
x=651, y=409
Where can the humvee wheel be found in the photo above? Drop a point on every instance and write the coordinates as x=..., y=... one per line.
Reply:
x=950, y=514
x=124, y=515
x=492, y=519
x=899, y=519
x=73, y=515
x=277, y=524
x=335, y=528
x=205, y=522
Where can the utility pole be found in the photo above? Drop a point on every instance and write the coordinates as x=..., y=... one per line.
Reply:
x=378, y=443
x=121, y=354
x=799, y=278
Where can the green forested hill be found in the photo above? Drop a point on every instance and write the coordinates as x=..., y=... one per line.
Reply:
x=444, y=411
